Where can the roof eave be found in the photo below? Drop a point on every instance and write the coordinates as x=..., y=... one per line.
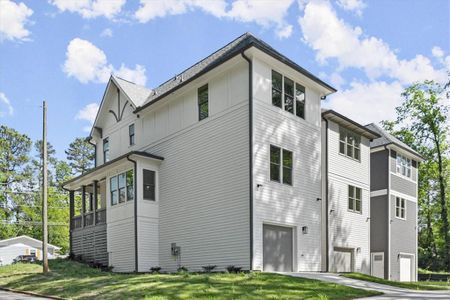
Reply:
x=368, y=133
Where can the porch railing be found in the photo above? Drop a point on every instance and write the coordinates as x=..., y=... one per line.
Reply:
x=76, y=222
x=89, y=219
x=100, y=216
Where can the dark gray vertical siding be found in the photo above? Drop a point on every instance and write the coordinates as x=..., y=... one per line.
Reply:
x=403, y=235
x=379, y=170
x=379, y=228
x=90, y=243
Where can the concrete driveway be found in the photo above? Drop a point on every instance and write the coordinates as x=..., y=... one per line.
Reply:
x=5, y=295
x=390, y=292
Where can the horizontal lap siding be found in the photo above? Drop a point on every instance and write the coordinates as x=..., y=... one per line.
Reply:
x=90, y=243
x=204, y=193
x=279, y=204
x=121, y=245
x=379, y=224
x=403, y=186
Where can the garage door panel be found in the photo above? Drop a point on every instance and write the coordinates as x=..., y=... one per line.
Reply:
x=342, y=261
x=277, y=252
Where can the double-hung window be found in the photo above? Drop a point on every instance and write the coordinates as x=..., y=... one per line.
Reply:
x=403, y=165
x=122, y=187
x=354, y=199
x=131, y=134
x=280, y=165
x=288, y=95
x=400, y=208
x=203, y=108
x=349, y=143
x=105, y=150
x=277, y=89
x=149, y=184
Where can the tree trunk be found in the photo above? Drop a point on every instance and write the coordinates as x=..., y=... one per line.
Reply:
x=443, y=203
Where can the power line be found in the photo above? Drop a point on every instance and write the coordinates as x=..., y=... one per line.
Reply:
x=32, y=223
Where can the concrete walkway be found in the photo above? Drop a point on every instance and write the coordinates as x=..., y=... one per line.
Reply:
x=390, y=292
x=6, y=295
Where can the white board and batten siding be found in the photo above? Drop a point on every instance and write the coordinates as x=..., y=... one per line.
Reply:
x=348, y=230
x=274, y=203
x=204, y=178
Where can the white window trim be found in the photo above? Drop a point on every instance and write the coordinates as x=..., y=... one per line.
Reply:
x=282, y=95
x=198, y=106
x=108, y=192
x=404, y=208
x=134, y=144
x=354, y=200
x=346, y=143
x=399, y=173
x=281, y=166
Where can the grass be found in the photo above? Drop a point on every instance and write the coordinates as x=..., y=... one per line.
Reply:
x=73, y=280
x=419, y=285
x=424, y=271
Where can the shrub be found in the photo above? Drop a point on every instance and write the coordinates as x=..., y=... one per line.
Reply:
x=155, y=270
x=208, y=268
x=182, y=269
x=233, y=269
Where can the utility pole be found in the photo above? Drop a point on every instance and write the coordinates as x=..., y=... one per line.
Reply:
x=44, y=189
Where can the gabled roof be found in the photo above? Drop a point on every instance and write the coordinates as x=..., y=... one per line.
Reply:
x=225, y=53
x=138, y=94
x=25, y=239
x=349, y=123
x=388, y=139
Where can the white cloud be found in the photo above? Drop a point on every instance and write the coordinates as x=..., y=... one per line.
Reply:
x=106, y=33
x=13, y=18
x=265, y=13
x=91, y=8
x=87, y=63
x=9, y=110
x=367, y=102
x=88, y=113
x=333, y=38
x=356, y=6
x=437, y=52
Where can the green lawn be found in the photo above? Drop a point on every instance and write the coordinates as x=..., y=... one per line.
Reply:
x=75, y=281
x=419, y=285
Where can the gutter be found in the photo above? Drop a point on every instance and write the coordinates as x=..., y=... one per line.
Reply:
x=327, y=258
x=250, y=131
x=136, y=264
x=95, y=150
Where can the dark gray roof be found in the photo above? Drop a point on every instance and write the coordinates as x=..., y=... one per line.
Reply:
x=387, y=139
x=232, y=49
x=349, y=123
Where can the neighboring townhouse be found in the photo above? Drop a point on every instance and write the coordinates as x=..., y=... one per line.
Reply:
x=346, y=194
x=220, y=165
x=23, y=245
x=394, y=193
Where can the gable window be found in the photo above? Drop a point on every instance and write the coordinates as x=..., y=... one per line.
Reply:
x=349, y=143
x=131, y=134
x=288, y=95
x=122, y=187
x=300, y=100
x=400, y=208
x=277, y=88
x=105, y=150
x=403, y=165
x=354, y=199
x=280, y=165
x=203, y=109
x=149, y=185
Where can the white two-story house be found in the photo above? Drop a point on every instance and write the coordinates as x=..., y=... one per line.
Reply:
x=223, y=164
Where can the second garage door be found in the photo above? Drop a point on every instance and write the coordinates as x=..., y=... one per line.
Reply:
x=277, y=244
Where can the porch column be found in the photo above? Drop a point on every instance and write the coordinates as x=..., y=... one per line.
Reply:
x=94, y=188
x=71, y=214
x=83, y=204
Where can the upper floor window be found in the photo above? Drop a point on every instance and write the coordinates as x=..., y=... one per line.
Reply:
x=400, y=208
x=131, y=134
x=300, y=100
x=149, y=184
x=403, y=165
x=203, y=108
x=122, y=187
x=354, y=199
x=349, y=143
x=288, y=95
x=277, y=88
x=105, y=150
x=280, y=165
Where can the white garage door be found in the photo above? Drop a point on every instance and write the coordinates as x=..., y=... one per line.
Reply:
x=405, y=268
x=277, y=252
x=343, y=260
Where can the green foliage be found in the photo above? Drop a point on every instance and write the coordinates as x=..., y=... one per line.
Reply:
x=423, y=123
x=80, y=155
x=72, y=280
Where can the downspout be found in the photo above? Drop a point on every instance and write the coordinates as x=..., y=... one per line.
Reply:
x=136, y=264
x=327, y=258
x=95, y=151
x=250, y=132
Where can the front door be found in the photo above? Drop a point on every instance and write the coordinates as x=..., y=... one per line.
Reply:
x=277, y=252
x=378, y=264
x=405, y=268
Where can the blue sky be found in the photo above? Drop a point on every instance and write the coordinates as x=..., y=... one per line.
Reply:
x=63, y=51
